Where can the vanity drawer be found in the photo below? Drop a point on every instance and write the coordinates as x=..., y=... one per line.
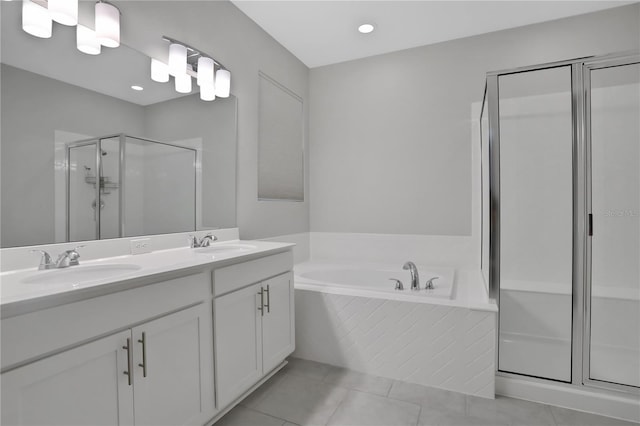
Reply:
x=240, y=275
x=47, y=331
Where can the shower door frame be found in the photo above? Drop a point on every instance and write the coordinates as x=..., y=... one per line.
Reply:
x=121, y=174
x=581, y=208
x=588, y=66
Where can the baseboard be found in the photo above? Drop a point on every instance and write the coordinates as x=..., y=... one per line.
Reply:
x=590, y=400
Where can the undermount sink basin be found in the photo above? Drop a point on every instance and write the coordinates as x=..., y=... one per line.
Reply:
x=224, y=248
x=78, y=274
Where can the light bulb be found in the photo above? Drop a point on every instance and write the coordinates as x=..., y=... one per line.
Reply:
x=177, y=59
x=205, y=71
x=107, y=24
x=159, y=71
x=183, y=83
x=86, y=40
x=64, y=12
x=208, y=93
x=36, y=20
x=223, y=83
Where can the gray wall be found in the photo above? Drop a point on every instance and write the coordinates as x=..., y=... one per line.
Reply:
x=214, y=122
x=220, y=29
x=390, y=135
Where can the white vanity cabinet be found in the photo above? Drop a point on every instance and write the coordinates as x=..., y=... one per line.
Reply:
x=175, y=348
x=254, y=325
x=157, y=372
x=81, y=386
x=172, y=369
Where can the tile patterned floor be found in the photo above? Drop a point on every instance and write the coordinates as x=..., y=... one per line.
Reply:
x=310, y=393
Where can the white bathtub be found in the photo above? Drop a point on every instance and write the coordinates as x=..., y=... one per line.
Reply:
x=375, y=278
x=350, y=315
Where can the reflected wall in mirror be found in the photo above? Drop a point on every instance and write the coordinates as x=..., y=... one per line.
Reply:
x=163, y=162
x=280, y=142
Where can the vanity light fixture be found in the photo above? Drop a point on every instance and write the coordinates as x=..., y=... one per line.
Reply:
x=86, y=40
x=206, y=71
x=107, y=24
x=159, y=71
x=36, y=19
x=223, y=83
x=64, y=12
x=186, y=62
x=208, y=93
x=366, y=28
x=177, y=59
x=183, y=81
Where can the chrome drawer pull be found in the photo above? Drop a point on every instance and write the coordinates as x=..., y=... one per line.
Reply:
x=144, y=354
x=129, y=360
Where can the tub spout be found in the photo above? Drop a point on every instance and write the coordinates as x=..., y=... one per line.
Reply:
x=415, y=280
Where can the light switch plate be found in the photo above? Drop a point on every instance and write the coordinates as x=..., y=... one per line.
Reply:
x=141, y=246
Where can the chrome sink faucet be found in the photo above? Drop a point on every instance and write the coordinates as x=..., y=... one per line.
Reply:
x=65, y=259
x=203, y=242
x=415, y=279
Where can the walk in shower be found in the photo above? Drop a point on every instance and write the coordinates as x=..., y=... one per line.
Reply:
x=123, y=186
x=561, y=219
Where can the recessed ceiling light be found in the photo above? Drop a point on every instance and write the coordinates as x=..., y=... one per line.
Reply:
x=138, y=88
x=365, y=28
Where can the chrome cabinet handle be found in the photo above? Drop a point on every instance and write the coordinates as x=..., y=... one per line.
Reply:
x=144, y=354
x=129, y=360
x=261, y=307
x=268, y=304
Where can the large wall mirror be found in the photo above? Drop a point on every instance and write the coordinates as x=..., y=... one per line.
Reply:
x=84, y=156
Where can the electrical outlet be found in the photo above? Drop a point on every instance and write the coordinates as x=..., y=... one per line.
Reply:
x=141, y=246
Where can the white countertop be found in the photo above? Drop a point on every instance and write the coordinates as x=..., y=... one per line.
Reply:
x=18, y=297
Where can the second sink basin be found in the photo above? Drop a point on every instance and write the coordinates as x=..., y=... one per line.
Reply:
x=224, y=248
x=79, y=274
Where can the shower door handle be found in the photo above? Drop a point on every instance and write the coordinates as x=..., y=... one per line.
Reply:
x=590, y=224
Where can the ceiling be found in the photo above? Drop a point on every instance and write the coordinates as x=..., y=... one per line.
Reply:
x=325, y=32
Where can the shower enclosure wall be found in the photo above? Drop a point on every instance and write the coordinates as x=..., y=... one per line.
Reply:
x=123, y=186
x=561, y=219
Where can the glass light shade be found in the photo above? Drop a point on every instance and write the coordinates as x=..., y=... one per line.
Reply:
x=108, y=24
x=86, y=40
x=177, y=59
x=159, y=71
x=183, y=83
x=208, y=92
x=205, y=71
x=64, y=12
x=36, y=20
x=223, y=83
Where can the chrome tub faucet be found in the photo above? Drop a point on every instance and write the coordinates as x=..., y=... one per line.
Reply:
x=415, y=279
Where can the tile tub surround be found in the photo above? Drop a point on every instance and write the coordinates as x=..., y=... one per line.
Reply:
x=308, y=393
x=433, y=344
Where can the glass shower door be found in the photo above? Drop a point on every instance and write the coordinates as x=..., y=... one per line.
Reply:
x=536, y=216
x=81, y=193
x=614, y=294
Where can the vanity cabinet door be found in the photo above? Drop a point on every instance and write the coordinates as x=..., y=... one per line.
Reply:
x=173, y=364
x=238, y=329
x=278, y=333
x=86, y=385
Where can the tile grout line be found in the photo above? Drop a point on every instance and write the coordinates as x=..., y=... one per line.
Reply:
x=553, y=416
x=335, y=410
